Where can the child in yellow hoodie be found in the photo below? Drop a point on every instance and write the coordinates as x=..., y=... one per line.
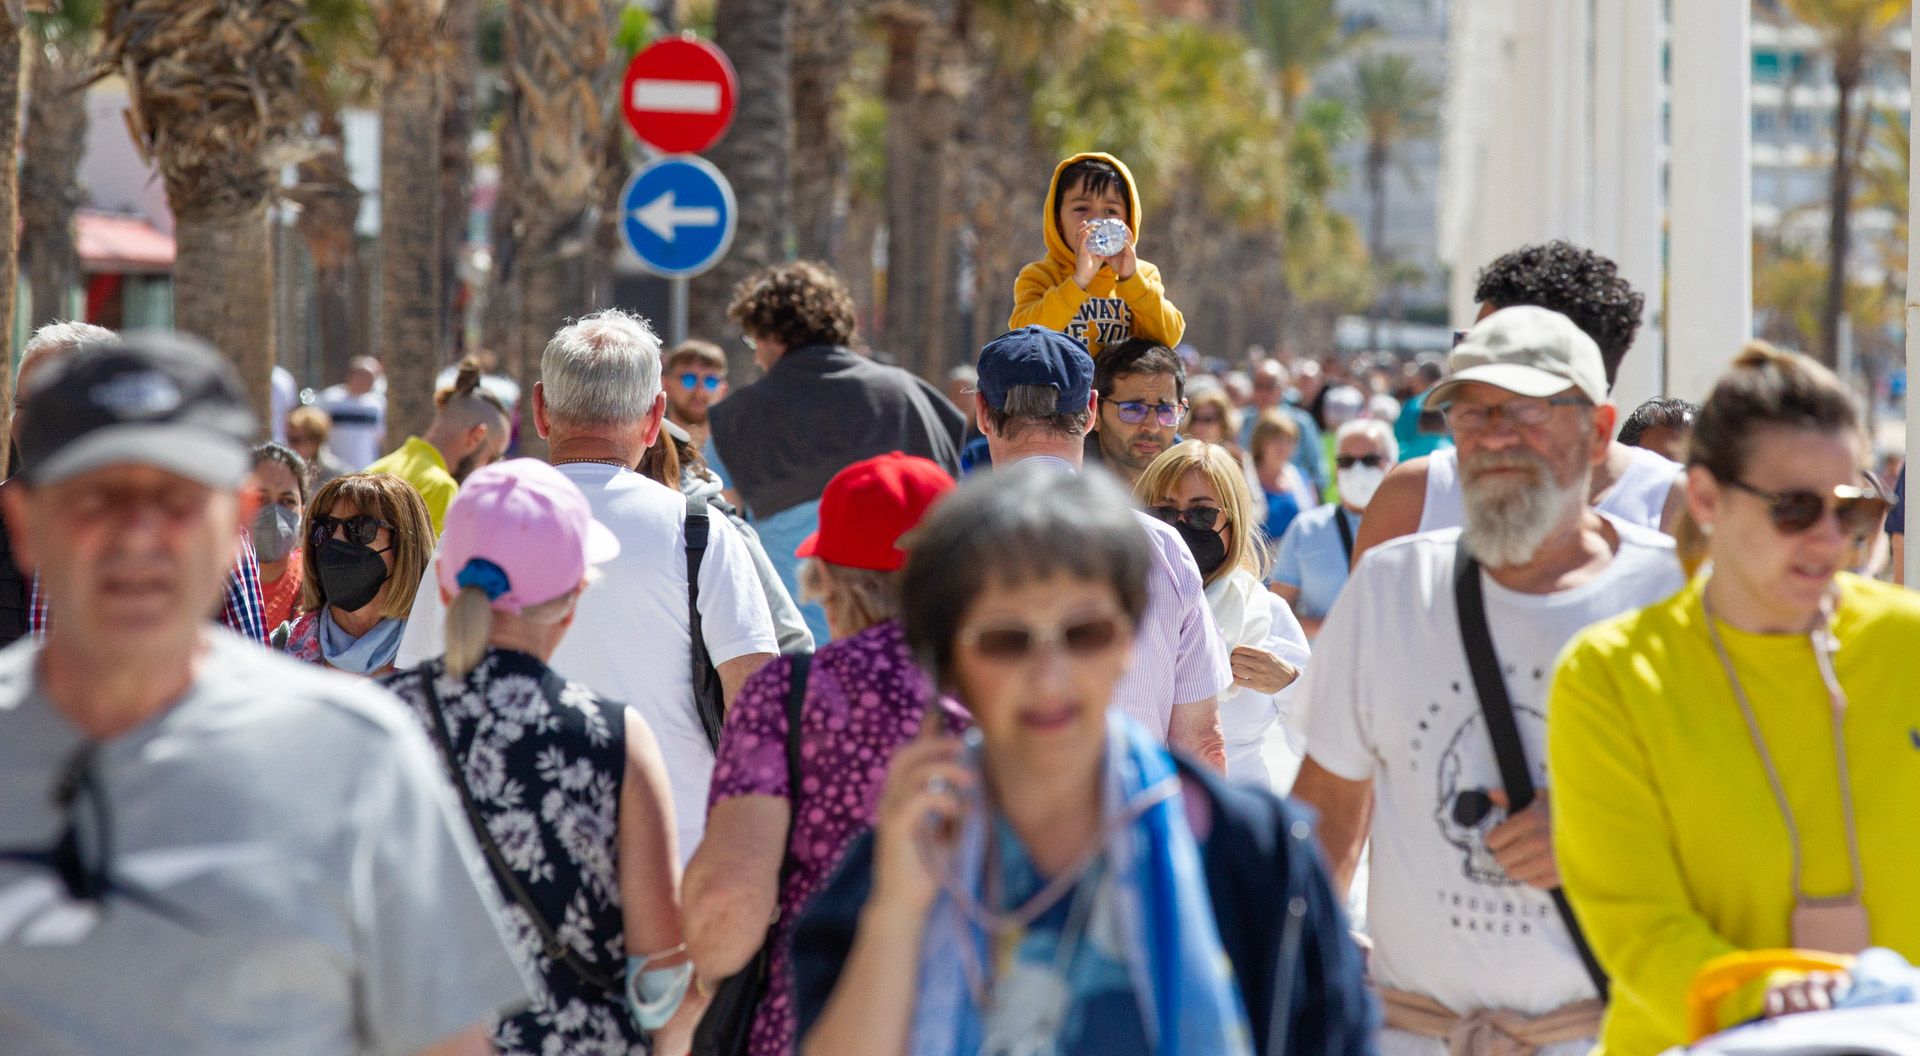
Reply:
x=1100, y=300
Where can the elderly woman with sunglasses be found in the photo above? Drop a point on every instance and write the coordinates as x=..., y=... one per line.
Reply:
x=1197, y=488
x=1059, y=883
x=367, y=543
x=1733, y=768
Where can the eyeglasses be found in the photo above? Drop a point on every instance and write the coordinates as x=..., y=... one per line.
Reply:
x=1134, y=412
x=1793, y=512
x=1523, y=413
x=1369, y=461
x=1202, y=518
x=691, y=381
x=1081, y=639
x=1207, y=419
x=360, y=530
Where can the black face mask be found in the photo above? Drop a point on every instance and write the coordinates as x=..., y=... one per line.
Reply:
x=1206, y=546
x=350, y=574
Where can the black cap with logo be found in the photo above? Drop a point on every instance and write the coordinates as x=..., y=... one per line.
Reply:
x=159, y=399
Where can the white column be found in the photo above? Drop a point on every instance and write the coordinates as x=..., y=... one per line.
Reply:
x=1627, y=155
x=1913, y=307
x=1710, y=252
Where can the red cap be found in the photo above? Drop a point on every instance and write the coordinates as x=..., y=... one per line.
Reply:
x=869, y=505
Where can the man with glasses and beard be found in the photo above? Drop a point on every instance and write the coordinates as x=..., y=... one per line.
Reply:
x=205, y=847
x=1143, y=398
x=1470, y=931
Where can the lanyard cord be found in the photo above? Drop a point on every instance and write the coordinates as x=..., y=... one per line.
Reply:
x=1824, y=645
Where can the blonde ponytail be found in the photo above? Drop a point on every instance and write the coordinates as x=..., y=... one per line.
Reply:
x=469, y=626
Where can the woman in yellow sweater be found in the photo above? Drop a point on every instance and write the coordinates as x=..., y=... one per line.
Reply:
x=1738, y=767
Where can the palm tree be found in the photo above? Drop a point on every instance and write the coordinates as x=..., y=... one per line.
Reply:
x=212, y=93
x=823, y=44
x=562, y=75
x=1854, y=33
x=1396, y=102
x=1299, y=38
x=341, y=70
x=757, y=36
x=59, y=48
x=411, y=252
x=11, y=18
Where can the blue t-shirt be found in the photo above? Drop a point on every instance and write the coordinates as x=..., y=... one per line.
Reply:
x=1406, y=431
x=1282, y=508
x=1312, y=559
x=1897, y=517
x=782, y=534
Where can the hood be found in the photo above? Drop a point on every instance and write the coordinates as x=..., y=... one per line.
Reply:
x=1056, y=245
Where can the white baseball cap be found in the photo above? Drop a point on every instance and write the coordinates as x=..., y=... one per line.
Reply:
x=1526, y=350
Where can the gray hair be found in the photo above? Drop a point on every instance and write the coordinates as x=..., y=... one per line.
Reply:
x=59, y=338
x=1036, y=406
x=602, y=369
x=1373, y=429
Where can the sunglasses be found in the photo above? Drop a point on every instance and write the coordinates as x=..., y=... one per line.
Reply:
x=1134, y=412
x=82, y=854
x=1369, y=461
x=691, y=381
x=1081, y=638
x=360, y=530
x=1857, y=509
x=1202, y=518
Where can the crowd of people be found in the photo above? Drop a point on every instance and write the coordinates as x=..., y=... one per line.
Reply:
x=1112, y=699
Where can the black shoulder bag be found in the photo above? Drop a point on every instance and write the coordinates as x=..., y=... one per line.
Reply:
x=709, y=700
x=728, y=1021
x=1496, y=708
x=552, y=944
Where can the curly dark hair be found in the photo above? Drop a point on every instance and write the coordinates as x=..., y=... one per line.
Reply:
x=1578, y=283
x=797, y=304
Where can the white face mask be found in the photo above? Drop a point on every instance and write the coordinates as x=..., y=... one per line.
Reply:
x=1358, y=483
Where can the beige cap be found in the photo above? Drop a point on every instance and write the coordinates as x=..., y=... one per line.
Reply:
x=1526, y=350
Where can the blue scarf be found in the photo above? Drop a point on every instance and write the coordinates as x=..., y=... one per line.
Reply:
x=365, y=655
x=1180, y=971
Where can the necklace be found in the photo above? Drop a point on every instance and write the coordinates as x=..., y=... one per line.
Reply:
x=614, y=462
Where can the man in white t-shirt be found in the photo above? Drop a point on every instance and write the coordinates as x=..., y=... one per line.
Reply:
x=599, y=405
x=358, y=409
x=1633, y=484
x=1460, y=903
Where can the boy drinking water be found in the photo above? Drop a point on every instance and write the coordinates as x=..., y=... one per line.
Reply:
x=1102, y=300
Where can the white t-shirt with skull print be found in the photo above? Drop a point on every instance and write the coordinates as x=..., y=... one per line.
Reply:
x=1389, y=698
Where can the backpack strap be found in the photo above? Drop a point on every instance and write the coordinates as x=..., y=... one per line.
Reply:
x=1346, y=533
x=708, y=699
x=1496, y=710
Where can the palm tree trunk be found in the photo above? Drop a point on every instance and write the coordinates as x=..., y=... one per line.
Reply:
x=50, y=192
x=1377, y=157
x=329, y=211
x=823, y=39
x=411, y=251
x=1840, y=208
x=923, y=110
x=9, y=219
x=757, y=35
x=223, y=286
x=461, y=47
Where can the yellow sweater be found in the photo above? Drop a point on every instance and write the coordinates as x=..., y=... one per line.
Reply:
x=1110, y=309
x=421, y=465
x=1670, y=842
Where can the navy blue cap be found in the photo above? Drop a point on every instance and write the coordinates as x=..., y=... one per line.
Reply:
x=1035, y=355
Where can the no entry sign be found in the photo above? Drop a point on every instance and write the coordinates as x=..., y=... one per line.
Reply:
x=678, y=95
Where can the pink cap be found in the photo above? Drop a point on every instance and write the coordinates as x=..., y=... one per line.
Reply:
x=521, y=531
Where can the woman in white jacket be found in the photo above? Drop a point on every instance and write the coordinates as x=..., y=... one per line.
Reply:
x=1198, y=489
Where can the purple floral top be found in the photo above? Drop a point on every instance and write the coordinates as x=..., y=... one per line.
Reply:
x=864, y=701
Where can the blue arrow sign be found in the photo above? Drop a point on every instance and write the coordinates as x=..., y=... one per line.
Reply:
x=677, y=214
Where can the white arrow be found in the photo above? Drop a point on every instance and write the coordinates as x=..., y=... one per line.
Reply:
x=662, y=217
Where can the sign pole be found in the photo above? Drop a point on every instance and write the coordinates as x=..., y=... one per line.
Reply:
x=677, y=309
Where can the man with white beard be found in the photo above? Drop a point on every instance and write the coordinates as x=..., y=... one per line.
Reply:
x=1402, y=714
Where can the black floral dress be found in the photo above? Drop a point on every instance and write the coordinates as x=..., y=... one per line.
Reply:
x=543, y=759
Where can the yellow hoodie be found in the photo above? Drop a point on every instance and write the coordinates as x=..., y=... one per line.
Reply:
x=1110, y=309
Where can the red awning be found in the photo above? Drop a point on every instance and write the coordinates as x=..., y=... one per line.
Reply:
x=121, y=244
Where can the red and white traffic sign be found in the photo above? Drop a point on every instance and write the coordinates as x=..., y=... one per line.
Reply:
x=678, y=95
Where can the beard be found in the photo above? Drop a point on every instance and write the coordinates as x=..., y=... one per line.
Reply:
x=687, y=414
x=1509, y=517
